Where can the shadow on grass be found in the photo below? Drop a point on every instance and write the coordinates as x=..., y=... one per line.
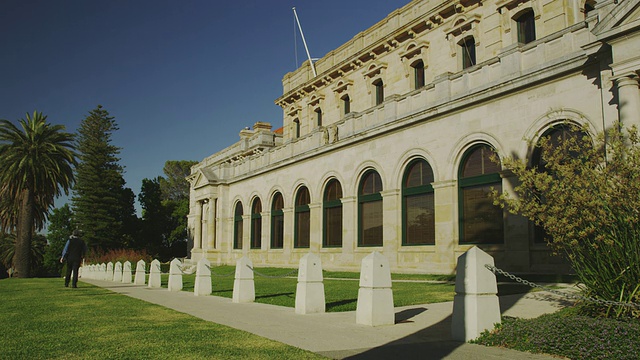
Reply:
x=334, y=304
x=274, y=295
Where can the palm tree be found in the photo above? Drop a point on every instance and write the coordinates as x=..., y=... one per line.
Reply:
x=37, y=166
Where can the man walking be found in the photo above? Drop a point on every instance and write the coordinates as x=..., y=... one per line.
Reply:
x=74, y=252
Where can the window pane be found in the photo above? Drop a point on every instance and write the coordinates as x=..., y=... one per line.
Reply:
x=256, y=232
x=237, y=230
x=483, y=222
x=303, y=221
x=419, y=174
x=333, y=226
x=420, y=225
x=478, y=162
x=371, y=184
x=371, y=223
x=303, y=197
x=277, y=227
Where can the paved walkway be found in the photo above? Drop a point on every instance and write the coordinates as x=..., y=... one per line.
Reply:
x=421, y=331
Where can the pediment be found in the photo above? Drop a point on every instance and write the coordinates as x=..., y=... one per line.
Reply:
x=202, y=177
x=625, y=15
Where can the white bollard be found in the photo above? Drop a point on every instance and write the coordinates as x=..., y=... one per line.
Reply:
x=154, y=274
x=475, y=306
x=203, y=278
x=375, y=299
x=109, y=271
x=243, y=287
x=141, y=275
x=117, y=272
x=175, y=275
x=310, y=289
x=126, y=272
x=103, y=271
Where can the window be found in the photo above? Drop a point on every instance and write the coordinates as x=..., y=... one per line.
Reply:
x=418, y=74
x=468, y=52
x=589, y=6
x=481, y=222
x=379, y=88
x=256, y=224
x=370, y=210
x=346, y=104
x=237, y=226
x=556, y=136
x=302, y=219
x=418, y=220
x=318, y=112
x=526, y=27
x=277, y=222
x=296, y=128
x=332, y=207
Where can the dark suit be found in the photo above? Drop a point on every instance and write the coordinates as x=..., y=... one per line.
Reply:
x=74, y=251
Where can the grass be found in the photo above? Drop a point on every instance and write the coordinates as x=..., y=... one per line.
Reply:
x=44, y=320
x=566, y=333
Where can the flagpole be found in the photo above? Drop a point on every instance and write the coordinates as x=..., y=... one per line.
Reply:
x=313, y=68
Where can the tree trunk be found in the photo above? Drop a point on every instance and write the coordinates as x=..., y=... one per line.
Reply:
x=22, y=255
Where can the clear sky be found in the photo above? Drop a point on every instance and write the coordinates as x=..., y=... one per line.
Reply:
x=181, y=77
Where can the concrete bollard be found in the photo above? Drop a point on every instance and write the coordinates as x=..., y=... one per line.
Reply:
x=140, y=277
x=103, y=271
x=126, y=272
x=175, y=275
x=203, y=278
x=244, y=290
x=375, y=299
x=109, y=271
x=310, y=289
x=475, y=306
x=117, y=272
x=154, y=274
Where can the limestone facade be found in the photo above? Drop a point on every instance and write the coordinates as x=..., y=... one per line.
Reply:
x=433, y=83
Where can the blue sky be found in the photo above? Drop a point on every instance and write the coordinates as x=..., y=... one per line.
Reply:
x=181, y=77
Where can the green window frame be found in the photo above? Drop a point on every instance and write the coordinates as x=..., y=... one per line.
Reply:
x=277, y=222
x=370, y=217
x=332, y=215
x=237, y=226
x=256, y=224
x=418, y=204
x=302, y=217
x=480, y=221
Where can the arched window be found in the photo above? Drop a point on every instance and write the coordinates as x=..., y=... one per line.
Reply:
x=277, y=222
x=370, y=210
x=418, y=74
x=296, y=128
x=468, y=52
x=379, y=88
x=332, y=207
x=302, y=218
x=481, y=222
x=346, y=104
x=256, y=224
x=526, y=27
x=556, y=135
x=237, y=226
x=418, y=216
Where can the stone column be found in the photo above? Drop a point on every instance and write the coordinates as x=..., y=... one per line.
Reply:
x=445, y=222
x=349, y=225
x=289, y=228
x=211, y=224
x=628, y=99
x=315, y=227
x=197, y=237
x=391, y=224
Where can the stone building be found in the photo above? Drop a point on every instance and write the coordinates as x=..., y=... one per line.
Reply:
x=386, y=141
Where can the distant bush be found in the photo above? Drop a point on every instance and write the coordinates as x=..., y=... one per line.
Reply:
x=117, y=255
x=568, y=334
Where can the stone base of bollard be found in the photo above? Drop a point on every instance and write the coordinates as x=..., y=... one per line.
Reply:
x=310, y=298
x=375, y=307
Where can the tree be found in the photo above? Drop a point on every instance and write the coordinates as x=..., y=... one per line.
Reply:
x=175, y=197
x=586, y=197
x=154, y=217
x=37, y=166
x=59, y=229
x=101, y=203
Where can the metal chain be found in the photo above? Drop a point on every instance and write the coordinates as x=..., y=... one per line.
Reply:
x=219, y=275
x=560, y=293
x=273, y=276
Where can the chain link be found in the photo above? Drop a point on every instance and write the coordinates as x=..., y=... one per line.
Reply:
x=273, y=276
x=560, y=293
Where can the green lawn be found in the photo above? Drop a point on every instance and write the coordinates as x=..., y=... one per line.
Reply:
x=43, y=320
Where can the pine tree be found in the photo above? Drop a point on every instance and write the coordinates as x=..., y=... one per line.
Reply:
x=101, y=203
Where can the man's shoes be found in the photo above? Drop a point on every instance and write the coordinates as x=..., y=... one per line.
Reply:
x=74, y=286
x=66, y=285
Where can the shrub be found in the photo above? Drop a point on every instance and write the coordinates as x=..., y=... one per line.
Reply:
x=117, y=255
x=587, y=200
x=568, y=334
